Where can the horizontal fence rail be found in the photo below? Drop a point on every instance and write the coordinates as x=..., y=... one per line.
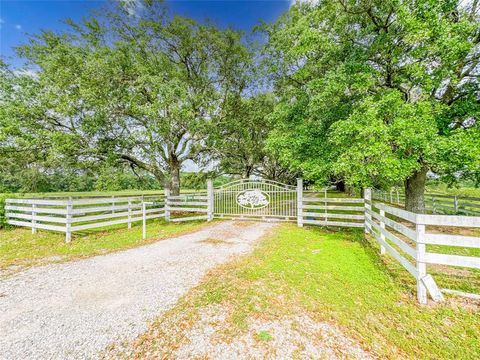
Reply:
x=435, y=203
x=196, y=203
x=318, y=209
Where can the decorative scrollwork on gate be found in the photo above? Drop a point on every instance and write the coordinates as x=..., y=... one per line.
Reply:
x=253, y=199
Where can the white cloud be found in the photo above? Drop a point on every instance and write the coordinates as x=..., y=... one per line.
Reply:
x=26, y=72
x=311, y=2
x=133, y=7
x=18, y=27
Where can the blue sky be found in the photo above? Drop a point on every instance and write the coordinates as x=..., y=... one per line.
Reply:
x=18, y=18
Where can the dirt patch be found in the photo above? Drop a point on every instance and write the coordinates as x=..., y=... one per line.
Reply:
x=214, y=242
x=453, y=230
x=296, y=336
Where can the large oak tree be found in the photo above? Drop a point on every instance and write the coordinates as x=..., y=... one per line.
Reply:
x=143, y=89
x=377, y=92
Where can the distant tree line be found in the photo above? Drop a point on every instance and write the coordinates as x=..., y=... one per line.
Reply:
x=353, y=93
x=107, y=179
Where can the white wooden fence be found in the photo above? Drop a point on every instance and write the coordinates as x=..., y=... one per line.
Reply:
x=198, y=203
x=435, y=203
x=406, y=235
x=72, y=215
x=318, y=209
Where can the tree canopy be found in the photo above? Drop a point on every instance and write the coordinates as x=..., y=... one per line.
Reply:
x=377, y=92
x=365, y=92
x=142, y=90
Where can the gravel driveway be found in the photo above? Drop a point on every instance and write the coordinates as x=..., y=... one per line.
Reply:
x=75, y=310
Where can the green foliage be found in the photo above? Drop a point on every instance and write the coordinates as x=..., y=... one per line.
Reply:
x=374, y=91
x=113, y=178
x=385, y=137
x=194, y=180
x=239, y=143
x=264, y=335
x=143, y=90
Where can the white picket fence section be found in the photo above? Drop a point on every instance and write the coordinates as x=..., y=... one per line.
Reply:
x=406, y=235
x=73, y=215
x=435, y=203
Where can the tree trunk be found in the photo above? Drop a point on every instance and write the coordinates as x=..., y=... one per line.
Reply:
x=247, y=171
x=173, y=182
x=340, y=185
x=415, y=190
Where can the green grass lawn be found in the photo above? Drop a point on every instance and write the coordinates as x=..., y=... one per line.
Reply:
x=337, y=277
x=461, y=191
x=18, y=246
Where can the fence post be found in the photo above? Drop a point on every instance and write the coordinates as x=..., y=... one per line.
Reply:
x=326, y=204
x=210, y=199
x=455, y=204
x=420, y=260
x=398, y=198
x=167, y=205
x=382, y=236
x=68, y=223
x=34, y=222
x=300, y=202
x=144, y=221
x=367, y=199
x=113, y=204
x=434, y=210
x=391, y=197
x=129, y=214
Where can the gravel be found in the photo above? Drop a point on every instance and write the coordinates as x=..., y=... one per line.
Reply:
x=76, y=310
x=297, y=336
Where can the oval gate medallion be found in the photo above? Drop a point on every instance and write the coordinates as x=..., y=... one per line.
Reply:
x=253, y=199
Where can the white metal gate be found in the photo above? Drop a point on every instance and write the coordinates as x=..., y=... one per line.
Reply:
x=264, y=199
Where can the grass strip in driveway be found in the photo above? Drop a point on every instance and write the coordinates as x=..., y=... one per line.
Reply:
x=334, y=277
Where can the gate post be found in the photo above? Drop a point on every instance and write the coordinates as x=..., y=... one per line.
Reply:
x=68, y=222
x=129, y=214
x=367, y=199
x=420, y=260
x=299, y=202
x=210, y=199
x=144, y=221
x=166, y=206
x=34, y=222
